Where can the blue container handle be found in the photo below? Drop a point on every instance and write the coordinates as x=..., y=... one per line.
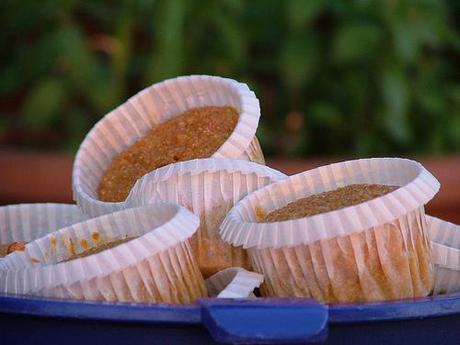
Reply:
x=264, y=321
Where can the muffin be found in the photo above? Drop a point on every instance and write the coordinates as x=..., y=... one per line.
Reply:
x=176, y=120
x=23, y=223
x=136, y=255
x=344, y=233
x=209, y=188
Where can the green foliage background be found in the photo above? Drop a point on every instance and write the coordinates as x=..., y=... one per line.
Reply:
x=338, y=77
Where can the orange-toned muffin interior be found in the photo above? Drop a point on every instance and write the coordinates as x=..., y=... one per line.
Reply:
x=196, y=133
x=328, y=201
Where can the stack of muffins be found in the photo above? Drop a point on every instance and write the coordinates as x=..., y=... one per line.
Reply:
x=174, y=203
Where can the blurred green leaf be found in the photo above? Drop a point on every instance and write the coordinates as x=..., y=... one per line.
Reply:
x=121, y=54
x=44, y=103
x=232, y=40
x=76, y=125
x=169, y=31
x=454, y=92
x=370, y=76
x=357, y=42
x=234, y=5
x=4, y=121
x=407, y=42
x=300, y=13
x=84, y=70
x=326, y=115
x=141, y=6
x=396, y=99
x=433, y=103
x=298, y=60
x=454, y=129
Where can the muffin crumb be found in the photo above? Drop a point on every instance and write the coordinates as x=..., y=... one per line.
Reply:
x=16, y=247
x=9, y=248
x=97, y=249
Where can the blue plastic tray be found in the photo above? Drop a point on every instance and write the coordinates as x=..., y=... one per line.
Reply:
x=25, y=320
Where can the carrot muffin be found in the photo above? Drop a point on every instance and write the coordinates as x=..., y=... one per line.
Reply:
x=140, y=254
x=178, y=119
x=209, y=188
x=343, y=284
x=197, y=133
x=344, y=233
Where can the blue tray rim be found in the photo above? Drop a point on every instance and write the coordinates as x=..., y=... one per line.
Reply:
x=191, y=314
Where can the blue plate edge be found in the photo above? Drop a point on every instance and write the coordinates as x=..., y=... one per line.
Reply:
x=191, y=314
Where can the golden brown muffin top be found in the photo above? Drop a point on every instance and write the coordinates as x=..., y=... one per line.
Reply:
x=196, y=133
x=328, y=201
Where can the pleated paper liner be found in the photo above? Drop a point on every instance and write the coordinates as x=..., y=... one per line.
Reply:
x=373, y=251
x=156, y=265
x=233, y=282
x=209, y=188
x=152, y=106
x=26, y=222
x=445, y=245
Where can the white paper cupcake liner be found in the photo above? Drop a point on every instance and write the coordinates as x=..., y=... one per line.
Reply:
x=417, y=187
x=209, y=188
x=372, y=251
x=26, y=222
x=233, y=282
x=156, y=266
x=445, y=246
x=133, y=119
x=253, y=153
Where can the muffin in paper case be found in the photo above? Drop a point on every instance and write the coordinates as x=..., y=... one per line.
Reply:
x=373, y=251
x=154, y=263
x=152, y=106
x=209, y=188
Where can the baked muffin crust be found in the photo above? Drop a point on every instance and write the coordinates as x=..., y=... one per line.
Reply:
x=328, y=201
x=196, y=133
